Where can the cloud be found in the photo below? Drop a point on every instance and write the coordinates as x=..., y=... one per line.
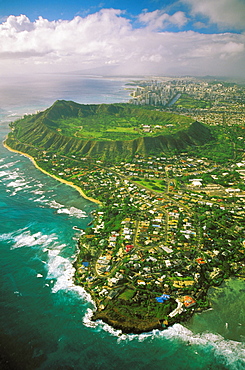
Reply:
x=17, y=24
x=85, y=36
x=199, y=25
x=224, y=13
x=107, y=41
x=158, y=19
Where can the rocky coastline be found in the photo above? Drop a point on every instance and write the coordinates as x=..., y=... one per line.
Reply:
x=161, y=236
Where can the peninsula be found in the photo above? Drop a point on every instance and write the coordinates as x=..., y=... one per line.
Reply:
x=171, y=220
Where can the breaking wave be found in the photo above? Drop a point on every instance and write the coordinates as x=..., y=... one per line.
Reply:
x=25, y=238
x=73, y=211
x=232, y=352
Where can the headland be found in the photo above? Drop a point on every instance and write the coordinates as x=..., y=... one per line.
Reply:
x=171, y=222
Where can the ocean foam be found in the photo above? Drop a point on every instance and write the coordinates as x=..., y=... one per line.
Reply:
x=99, y=324
x=230, y=350
x=56, y=205
x=13, y=175
x=24, y=238
x=7, y=236
x=73, y=211
x=4, y=173
x=42, y=199
x=83, y=294
x=38, y=192
x=18, y=184
x=63, y=210
x=9, y=164
x=15, y=180
x=8, y=175
x=60, y=269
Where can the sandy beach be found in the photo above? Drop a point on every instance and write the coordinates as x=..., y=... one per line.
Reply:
x=54, y=177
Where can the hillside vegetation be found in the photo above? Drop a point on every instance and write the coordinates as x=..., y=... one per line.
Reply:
x=105, y=131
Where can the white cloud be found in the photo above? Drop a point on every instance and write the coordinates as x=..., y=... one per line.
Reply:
x=199, y=25
x=224, y=13
x=18, y=24
x=107, y=39
x=158, y=19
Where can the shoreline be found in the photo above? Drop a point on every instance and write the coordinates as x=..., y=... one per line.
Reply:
x=81, y=192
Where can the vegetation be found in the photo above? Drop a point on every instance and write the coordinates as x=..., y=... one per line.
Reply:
x=118, y=122
x=108, y=132
x=228, y=144
x=188, y=102
x=155, y=231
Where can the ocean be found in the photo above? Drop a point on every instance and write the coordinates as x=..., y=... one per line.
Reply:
x=44, y=318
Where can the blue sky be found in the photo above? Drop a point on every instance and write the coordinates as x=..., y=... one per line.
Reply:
x=61, y=9
x=159, y=37
x=68, y=9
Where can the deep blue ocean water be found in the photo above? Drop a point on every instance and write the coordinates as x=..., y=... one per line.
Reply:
x=44, y=317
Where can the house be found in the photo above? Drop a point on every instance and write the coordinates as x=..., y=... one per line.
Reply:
x=168, y=263
x=163, y=298
x=141, y=282
x=128, y=248
x=167, y=249
x=183, y=283
x=196, y=182
x=189, y=301
x=200, y=261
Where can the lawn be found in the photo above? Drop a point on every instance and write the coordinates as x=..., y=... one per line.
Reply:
x=130, y=123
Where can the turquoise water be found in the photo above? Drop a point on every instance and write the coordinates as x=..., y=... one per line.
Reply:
x=45, y=319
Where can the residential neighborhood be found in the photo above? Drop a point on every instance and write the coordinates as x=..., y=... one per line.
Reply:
x=166, y=225
x=168, y=222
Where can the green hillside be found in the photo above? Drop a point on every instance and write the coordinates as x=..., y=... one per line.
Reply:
x=105, y=130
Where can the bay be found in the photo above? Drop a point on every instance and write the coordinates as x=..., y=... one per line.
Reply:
x=44, y=318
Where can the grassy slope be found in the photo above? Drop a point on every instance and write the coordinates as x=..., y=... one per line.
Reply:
x=109, y=129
